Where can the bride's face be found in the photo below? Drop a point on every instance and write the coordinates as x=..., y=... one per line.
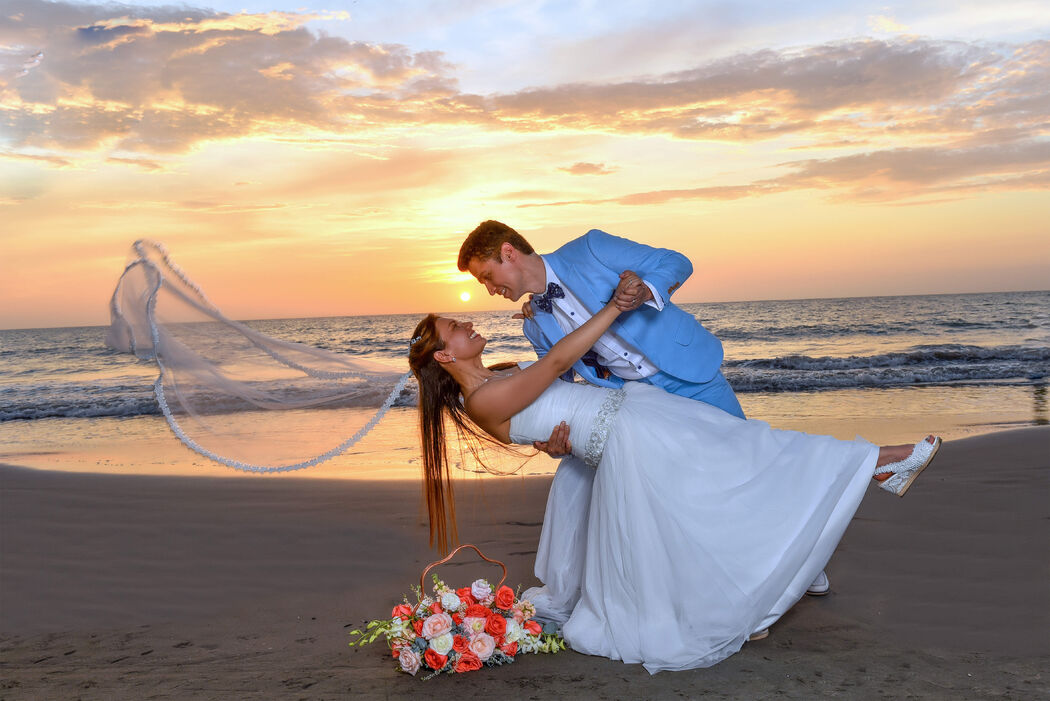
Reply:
x=460, y=338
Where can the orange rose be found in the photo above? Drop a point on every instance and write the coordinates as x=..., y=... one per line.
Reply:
x=466, y=597
x=460, y=644
x=457, y=618
x=418, y=626
x=435, y=607
x=403, y=611
x=504, y=598
x=434, y=659
x=532, y=627
x=477, y=611
x=510, y=650
x=468, y=662
x=496, y=626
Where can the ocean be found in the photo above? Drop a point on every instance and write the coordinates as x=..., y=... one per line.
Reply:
x=888, y=368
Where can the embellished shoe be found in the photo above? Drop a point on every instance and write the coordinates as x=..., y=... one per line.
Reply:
x=904, y=472
x=758, y=635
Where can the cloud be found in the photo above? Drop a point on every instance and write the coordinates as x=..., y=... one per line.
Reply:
x=53, y=161
x=903, y=111
x=143, y=163
x=162, y=79
x=893, y=174
x=583, y=168
x=882, y=23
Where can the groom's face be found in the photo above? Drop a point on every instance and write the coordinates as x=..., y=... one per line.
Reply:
x=504, y=277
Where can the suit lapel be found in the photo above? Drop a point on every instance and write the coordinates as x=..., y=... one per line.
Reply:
x=575, y=281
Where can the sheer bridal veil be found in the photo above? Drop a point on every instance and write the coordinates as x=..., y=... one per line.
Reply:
x=236, y=395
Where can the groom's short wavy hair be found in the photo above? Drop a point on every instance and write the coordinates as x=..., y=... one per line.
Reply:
x=485, y=241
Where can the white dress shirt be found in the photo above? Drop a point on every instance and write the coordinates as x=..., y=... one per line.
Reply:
x=622, y=359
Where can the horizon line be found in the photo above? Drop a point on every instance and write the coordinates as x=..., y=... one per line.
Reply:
x=489, y=311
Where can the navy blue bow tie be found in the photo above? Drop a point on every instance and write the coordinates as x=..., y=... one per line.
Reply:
x=543, y=301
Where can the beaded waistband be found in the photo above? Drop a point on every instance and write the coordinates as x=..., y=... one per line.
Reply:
x=592, y=455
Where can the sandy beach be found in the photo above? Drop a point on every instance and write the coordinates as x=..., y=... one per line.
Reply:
x=150, y=587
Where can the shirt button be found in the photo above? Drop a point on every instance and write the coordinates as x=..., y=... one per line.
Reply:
x=625, y=354
x=572, y=313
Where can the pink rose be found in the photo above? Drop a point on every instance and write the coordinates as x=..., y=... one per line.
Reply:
x=409, y=660
x=483, y=646
x=480, y=589
x=474, y=625
x=438, y=624
x=519, y=617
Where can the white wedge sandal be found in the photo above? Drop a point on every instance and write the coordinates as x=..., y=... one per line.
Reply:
x=904, y=472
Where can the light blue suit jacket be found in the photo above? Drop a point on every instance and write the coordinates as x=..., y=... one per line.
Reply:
x=672, y=339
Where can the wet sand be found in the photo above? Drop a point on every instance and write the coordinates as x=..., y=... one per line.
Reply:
x=140, y=587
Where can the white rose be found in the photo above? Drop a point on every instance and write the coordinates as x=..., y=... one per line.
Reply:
x=409, y=660
x=450, y=601
x=514, y=631
x=442, y=644
x=481, y=589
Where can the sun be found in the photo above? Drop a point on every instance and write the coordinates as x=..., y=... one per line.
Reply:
x=464, y=296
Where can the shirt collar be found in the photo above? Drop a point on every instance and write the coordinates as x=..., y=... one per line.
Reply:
x=551, y=276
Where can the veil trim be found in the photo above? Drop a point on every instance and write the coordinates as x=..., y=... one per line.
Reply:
x=157, y=280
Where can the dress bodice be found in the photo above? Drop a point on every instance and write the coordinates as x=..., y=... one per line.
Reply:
x=588, y=410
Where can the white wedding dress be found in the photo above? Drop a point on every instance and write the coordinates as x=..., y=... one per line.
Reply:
x=681, y=529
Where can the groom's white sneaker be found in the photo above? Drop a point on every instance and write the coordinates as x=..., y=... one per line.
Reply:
x=820, y=586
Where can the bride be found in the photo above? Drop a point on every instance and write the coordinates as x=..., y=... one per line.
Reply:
x=702, y=528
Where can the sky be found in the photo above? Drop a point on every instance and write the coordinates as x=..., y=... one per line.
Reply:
x=327, y=158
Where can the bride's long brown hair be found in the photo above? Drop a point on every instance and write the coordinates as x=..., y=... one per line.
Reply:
x=438, y=398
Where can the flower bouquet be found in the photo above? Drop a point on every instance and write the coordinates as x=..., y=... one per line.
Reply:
x=460, y=630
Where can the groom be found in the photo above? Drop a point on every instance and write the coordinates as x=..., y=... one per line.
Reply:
x=653, y=341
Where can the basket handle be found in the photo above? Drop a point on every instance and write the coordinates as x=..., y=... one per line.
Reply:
x=432, y=565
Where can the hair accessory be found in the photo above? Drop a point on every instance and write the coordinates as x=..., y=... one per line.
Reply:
x=413, y=341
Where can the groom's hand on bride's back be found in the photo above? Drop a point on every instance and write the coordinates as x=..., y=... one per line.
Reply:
x=558, y=445
x=527, y=312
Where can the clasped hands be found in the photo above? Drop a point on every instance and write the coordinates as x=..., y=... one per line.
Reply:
x=630, y=293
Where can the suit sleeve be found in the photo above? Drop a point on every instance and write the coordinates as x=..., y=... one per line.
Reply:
x=532, y=332
x=665, y=269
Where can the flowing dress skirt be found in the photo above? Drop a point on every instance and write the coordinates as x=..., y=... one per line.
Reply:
x=696, y=529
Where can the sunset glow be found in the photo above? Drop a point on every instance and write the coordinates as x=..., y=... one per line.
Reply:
x=309, y=162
